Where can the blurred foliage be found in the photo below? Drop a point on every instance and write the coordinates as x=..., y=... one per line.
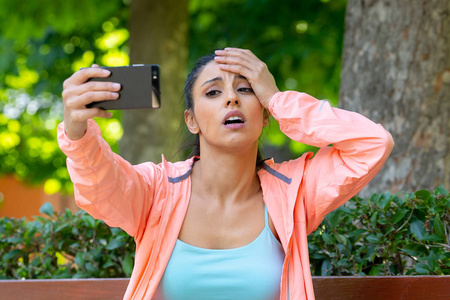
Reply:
x=385, y=235
x=63, y=245
x=42, y=43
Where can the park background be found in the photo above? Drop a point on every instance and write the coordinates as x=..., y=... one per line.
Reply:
x=388, y=60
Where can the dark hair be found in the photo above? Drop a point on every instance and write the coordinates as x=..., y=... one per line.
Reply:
x=192, y=78
x=189, y=101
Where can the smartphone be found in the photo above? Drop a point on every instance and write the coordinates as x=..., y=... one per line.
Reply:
x=140, y=88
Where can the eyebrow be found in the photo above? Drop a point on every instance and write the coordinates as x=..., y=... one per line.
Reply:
x=221, y=79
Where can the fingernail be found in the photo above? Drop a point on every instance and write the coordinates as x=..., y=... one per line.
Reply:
x=109, y=115
x=106, y=72
x=219, y=51
x=116, y=86
x=115, y=95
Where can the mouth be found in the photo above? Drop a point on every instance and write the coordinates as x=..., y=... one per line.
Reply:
x=234, y=120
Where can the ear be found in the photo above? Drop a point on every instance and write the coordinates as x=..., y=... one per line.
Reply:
x=266, y=117
x=191, y=123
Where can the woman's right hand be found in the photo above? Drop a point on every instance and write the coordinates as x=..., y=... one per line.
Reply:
x=78, y=92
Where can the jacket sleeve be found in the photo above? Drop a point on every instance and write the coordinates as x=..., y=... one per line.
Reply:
x=352, y=150
x=106, y=185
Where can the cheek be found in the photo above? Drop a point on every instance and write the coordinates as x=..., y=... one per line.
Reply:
x=204, y=117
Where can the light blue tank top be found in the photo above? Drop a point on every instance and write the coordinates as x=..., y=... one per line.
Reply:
x=249, y=272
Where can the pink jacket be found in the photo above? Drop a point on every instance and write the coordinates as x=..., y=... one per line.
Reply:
x=149, y=201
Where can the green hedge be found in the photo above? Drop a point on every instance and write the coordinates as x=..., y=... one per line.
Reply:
x=63, y=245
x=384, y=235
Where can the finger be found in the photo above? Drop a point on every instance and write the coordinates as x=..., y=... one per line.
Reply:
x=89, y=97
x=96, y=86
x=245, y=53
x=96, y=96
x=238, y=69
x=232, y=60
x=77, y=90
x=89, y=113
x=83, y=75
x=250, y=70
x=239, y=57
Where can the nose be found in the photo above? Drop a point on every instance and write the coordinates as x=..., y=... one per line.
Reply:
x=232, y=99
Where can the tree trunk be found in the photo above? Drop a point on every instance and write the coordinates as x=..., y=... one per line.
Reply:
x=396, y=71
x=158, y=35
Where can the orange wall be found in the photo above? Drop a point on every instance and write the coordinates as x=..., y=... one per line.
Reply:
x=21, y=200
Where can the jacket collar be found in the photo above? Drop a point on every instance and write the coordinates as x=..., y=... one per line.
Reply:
x=264, y=164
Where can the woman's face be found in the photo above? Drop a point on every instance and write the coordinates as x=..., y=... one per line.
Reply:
x=226, y=112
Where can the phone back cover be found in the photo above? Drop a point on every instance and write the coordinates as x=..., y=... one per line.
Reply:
x=137, y=91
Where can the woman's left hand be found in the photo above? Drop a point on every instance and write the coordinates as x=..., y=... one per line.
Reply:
x=245, y=63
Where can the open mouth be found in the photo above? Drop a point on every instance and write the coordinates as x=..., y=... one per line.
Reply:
x=233, y=120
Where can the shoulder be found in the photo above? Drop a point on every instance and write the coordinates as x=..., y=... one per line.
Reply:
x=178, y=171
x=287, y=171
x=164, y=172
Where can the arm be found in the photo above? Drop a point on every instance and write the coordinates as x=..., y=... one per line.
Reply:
x=106, y=185
x=336, y=173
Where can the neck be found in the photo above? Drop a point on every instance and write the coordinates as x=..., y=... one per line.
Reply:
x=227, y=176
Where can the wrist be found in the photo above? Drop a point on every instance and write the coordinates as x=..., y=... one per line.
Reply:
x=75, y=134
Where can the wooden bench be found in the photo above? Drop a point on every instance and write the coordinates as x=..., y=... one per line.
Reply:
x=326, y=288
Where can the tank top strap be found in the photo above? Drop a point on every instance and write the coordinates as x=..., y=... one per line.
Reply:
x=266, y=217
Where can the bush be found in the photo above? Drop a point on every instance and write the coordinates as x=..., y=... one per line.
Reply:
x=64, y=245
x=385, y=235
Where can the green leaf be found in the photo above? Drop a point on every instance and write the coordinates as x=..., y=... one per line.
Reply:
x=375, y=270
x=90, y=267
x=328, y=238
x=385, y=200
x=47, y=209
x=389, y=229
x=127, y=264
x=440, y=190
x=372, y=239
x=356, y=232
x=431, y=238
x=422, y=268
x=109, y=263
x=14, y=240
x=415, y=250
x=11, y=254
x=326, y=268
x=342, y=239
x=423, y=194
x=79, y=261
x=375, y=198
x=417, y=228
x=373, y=219
x=89, y=220
x=432, y=261
x=398, y=216
x=334, y=218
x=438, y=226
x=114, y=244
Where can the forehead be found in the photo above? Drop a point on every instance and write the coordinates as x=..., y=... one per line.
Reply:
x=211, y=71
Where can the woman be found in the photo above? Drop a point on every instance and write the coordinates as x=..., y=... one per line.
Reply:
x=221, y=225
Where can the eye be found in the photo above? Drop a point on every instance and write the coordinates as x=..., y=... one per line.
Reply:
x=245, y=90
x=212, y=93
